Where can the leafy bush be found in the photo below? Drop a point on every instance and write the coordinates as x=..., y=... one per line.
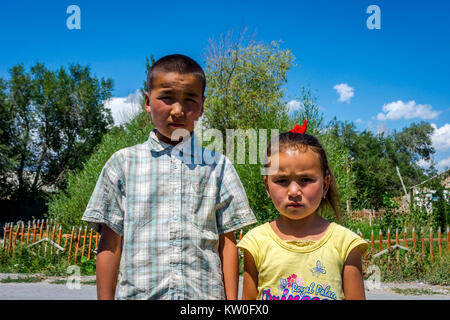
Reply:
x=24, y=261
x=68, y=207
x=438, y=271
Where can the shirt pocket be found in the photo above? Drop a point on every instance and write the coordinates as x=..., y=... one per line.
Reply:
x=200, y=204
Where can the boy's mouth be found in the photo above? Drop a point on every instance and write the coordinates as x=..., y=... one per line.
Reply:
x=176, y=125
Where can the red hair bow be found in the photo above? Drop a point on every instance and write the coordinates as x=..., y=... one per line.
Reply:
x=300, y=129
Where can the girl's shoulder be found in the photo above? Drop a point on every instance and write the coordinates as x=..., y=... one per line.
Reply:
x=258, y=231
x=345, y=240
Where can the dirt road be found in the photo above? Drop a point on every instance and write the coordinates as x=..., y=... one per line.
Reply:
x=61, y=290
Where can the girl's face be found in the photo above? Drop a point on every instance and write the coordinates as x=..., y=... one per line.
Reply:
x=298, y=186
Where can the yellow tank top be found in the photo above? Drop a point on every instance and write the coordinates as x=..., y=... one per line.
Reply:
x=300, y=270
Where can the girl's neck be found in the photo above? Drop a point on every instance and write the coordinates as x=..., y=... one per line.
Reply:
x=310, y=228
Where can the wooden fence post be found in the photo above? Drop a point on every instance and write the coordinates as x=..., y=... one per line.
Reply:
x=90, y=244
x=439, y=242
x=22, y=232
x=70, y=245
x=381, y=241
x=406, y=238
x=76, y=246
x=372, y=239
x=389, y=238
x=34, y=231
x=40, y=229
x=414, y=238
x=422, y=235
x=84, y=240
x=10, y=236
x=59, y=235
x=431, y=243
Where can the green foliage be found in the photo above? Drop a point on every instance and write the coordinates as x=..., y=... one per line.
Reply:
x=87, y=267
x=67, y=207
x=438, y=271
x=24, y=261
x=376, y=156
x=244, y=84
x=51, y=122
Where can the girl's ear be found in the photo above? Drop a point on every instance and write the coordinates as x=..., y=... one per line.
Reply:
x=326, y=185
x=267, y=186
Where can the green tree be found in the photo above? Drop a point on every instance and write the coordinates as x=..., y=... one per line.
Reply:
x=53, y=121
x=245, y=82
x=374, y=158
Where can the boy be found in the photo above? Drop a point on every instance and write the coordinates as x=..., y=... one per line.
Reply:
x=166, y=220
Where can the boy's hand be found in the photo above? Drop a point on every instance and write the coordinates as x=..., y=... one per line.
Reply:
x=230, y=264
x=108, y=261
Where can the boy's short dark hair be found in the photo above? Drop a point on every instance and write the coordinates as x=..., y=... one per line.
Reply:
x=176, y=63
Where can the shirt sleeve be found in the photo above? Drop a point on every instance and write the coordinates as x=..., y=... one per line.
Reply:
x=249, y=243
x=233, y=211
x=106, y=203
x=351, y=241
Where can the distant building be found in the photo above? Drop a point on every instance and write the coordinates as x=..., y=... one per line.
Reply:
x=423, y=196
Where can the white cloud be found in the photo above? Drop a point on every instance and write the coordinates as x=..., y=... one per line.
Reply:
x=124, y=109
x=444, y=163
x=408, y=110
x=423, y=163
x=359, y=121
x=294, y=105
x=345, y=92
x=441, y=137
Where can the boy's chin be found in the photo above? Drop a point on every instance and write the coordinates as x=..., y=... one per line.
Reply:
x=174, y=135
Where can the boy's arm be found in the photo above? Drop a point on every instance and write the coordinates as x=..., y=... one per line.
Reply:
x=108, y=261
x=230, y=264
x=352, y=278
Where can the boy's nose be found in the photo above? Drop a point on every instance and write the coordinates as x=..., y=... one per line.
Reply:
x=177, y=110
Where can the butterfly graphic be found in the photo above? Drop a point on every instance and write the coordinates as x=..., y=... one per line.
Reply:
x=283, y=283
x=318, y=269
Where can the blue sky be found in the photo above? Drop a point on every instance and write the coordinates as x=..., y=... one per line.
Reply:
x=403, y=67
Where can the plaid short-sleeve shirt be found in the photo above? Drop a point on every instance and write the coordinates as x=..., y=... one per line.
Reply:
x=170, y=204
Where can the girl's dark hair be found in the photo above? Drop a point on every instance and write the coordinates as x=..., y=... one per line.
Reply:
x=176, y=63
x=303, y=142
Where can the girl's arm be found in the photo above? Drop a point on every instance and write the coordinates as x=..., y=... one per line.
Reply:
x=230, y=264
x=352, y=278
x=250, y=290
x=108, y=261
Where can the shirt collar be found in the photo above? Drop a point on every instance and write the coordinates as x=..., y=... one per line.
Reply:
x=188, y=147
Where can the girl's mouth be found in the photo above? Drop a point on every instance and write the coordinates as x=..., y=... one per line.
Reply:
x=294, y=205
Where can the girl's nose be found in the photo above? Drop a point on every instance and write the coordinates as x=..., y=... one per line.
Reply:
x=294, y=189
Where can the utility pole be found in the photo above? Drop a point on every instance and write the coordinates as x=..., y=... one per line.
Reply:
x=403, y=185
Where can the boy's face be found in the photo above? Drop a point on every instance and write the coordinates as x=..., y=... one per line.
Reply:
x=175, y=102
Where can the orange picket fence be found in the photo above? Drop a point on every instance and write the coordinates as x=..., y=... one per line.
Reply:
x=79, y=243
x=424, y=241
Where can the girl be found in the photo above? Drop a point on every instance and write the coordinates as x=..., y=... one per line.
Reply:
x=300, y=255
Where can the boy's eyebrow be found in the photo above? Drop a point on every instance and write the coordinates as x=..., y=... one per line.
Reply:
x=170, y=90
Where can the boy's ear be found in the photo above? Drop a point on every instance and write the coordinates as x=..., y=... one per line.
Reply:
x=203, y=104
x=147, y=102
x=267, y=186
